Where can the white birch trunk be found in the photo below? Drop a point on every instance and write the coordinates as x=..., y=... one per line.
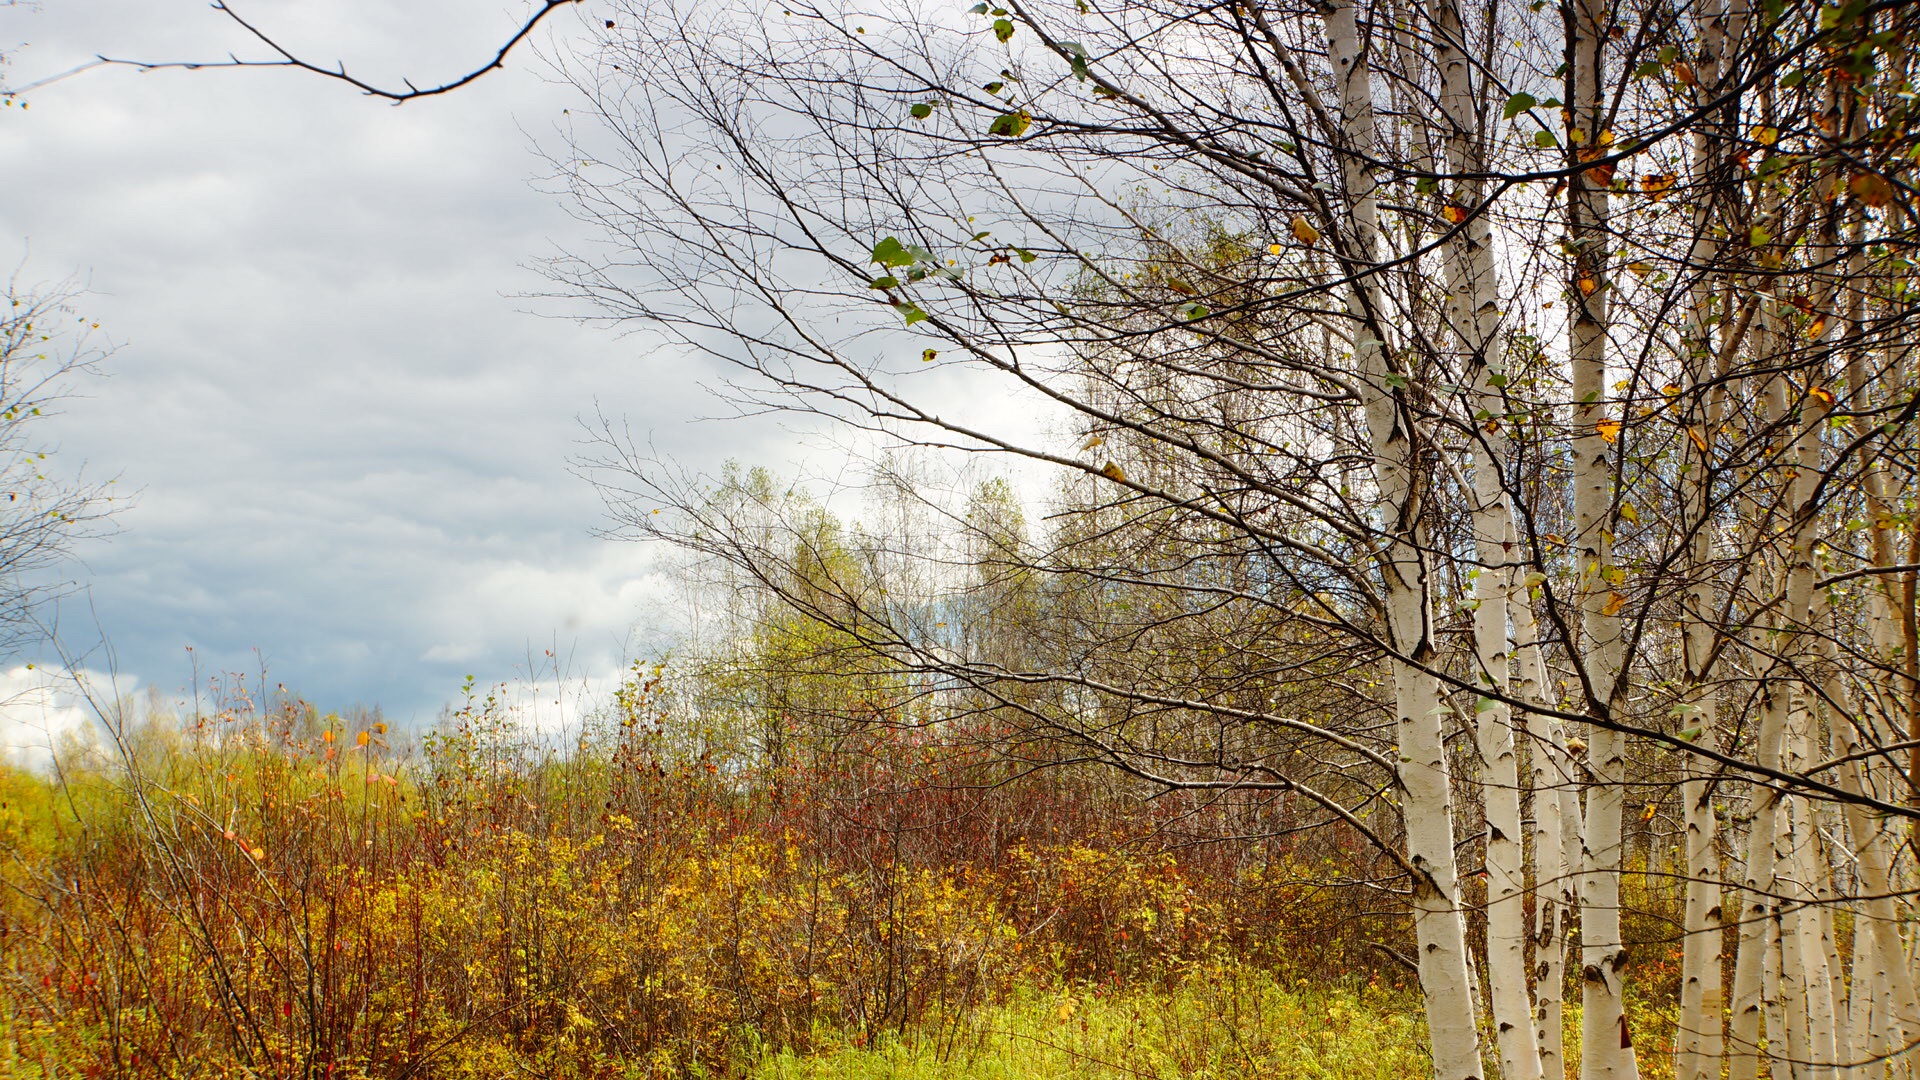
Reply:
x=1606, y=1043
x=1473, y=311
x=1439, y=925
x=1556, y=843
x=1698, y=1043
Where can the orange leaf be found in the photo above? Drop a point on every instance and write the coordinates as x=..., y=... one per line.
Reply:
x=326, y=736
x=1608, y=430
x=1454, y=214
x=1822, y=395
x=1614, y=603
x=362, y=739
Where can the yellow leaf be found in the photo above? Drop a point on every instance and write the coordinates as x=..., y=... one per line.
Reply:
x=1304, y=231
x=1629, y=514
x=1655, y=185
x=1822, y=395
x=1766, y=136
x=1608, y=430
x=1652, y=809
x=1454, y=214
x=1671, y=390
x=363, y=738
x=1113, y=472
x=1614, y=603
x=258, y=853
x=1065, y=1011
x=1587, y=286
x=1699, y=440
x=1871, y=188
x=1640, y=269
x=1817, y=326
x=1274, y=249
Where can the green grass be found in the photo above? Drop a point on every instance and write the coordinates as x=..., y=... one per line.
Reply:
x=1218, y=1024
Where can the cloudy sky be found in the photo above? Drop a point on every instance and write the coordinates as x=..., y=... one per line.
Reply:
x=347, y=437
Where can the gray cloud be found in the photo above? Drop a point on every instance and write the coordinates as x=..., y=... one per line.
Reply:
x=349, y=440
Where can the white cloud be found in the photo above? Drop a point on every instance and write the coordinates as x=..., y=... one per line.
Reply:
x=43, y=709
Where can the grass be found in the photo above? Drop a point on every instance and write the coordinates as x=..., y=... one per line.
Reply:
x=1217, y=1023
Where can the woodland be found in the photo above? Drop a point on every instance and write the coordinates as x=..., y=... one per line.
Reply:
x=1464, y=626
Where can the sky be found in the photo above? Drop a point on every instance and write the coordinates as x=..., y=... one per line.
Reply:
x=345, y=430
x=343, y=422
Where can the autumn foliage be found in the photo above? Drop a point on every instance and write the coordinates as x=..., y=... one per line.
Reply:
x=265, y=890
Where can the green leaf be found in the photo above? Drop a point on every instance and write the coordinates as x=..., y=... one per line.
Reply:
x=1011, y=125
x=887, y=282
x=977, y=9
x=1650, y=68
x=994, y=87
x=1190, y=312
x=1758, y=236
x=1025, y=255
x=1078, y=53
x=1519, y=103
x=1003, y=29
x=922, y=110
x=1690, y=734
x=1426, y=185
x=891, y=252
x=912, y=313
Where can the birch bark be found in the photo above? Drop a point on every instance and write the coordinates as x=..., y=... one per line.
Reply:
x=1606, y=1042
x=1473, y=312
x=1426, y=803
